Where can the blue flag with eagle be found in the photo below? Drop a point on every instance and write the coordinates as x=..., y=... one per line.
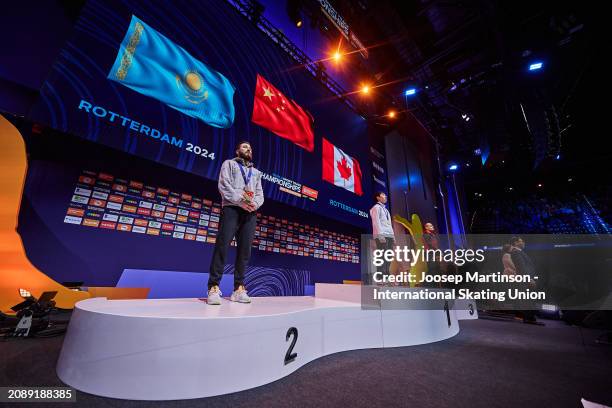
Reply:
x=151, y=64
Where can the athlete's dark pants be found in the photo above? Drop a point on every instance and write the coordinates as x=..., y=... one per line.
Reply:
x=240, y=223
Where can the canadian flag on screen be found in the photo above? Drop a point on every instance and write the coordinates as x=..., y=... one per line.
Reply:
x=341, y=169
x=281, y=115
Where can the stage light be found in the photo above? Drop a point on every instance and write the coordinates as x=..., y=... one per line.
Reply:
x=570, y=179
x=558, y=157
x=536, y=66
x=410, y=91
x=391, y=114
x=540, y=185
x=24, y=293
x=337, y=56
x=453, y=167
x=365, y=89
x=299, y=23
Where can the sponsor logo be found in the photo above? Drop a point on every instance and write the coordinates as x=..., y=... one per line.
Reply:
x=129, y=208
x=79, y=199
x=145, y=204
x=110, y=217
x=108, y=225
x=76, y=212
x=179, y=228
x=139, y=230
x=309, y=192
x=163, y=191
x=181, y=218
x=124, y=227
x=178, y=235
x=105, y=177
x=140, y=222
x=72, y=220
x=99, y=195
x=126, y=220
x=154, y=224
x=382, y=183
x=378, y=167
x=136, y=184
x=159, y=207
x=115, y=198
x=157, y=214
x=120, y=187
x=97, y=203
x=87, y=180
x=113, y=206
x=91, y=223
x=148, y=194
x=82, y=191
x=376, y=153
x=152, y=231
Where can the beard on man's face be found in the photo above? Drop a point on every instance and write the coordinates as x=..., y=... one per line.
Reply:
x=245, y=155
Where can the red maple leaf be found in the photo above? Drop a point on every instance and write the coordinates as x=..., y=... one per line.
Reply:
x=344, y=169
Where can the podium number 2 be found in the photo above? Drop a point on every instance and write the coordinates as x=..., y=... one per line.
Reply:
x=289, y=356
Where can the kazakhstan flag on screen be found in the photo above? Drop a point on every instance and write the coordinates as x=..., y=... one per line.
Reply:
x=151, y=64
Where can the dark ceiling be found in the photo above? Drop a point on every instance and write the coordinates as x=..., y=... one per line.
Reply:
x=470, y=58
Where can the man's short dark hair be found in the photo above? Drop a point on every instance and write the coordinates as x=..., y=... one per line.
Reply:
x=377, y=194
x=241, y=143
x=514, y=240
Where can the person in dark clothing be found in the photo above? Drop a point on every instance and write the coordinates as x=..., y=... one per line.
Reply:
x=524, y=266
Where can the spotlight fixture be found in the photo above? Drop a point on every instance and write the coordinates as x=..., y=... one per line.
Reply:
x=365, y=89
x=536, y=66
x=337, y=56
x=410, y=91
x=24, y=293
x=391, y=114
x=453, y=167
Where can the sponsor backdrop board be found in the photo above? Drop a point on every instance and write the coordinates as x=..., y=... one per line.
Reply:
x=180, y=83
x=88, y=212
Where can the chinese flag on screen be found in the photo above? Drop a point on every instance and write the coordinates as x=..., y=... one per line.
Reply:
x=341, y=169
x=281, y=115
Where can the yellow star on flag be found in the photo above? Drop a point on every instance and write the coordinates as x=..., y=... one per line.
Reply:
x=268, y=93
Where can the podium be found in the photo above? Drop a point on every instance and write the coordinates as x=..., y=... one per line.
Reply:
x=168, y=349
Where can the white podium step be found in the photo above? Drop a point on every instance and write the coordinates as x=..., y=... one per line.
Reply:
x=166, y=349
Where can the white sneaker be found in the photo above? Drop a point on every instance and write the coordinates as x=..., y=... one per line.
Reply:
x=214, y=296
x=240, y=295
